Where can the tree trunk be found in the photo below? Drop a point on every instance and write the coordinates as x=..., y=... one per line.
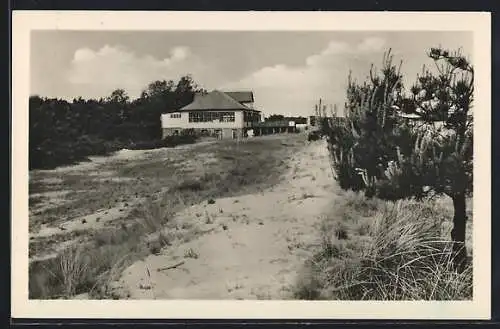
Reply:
x=458, y=231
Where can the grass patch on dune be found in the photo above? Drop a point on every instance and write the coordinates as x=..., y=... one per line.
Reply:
x=164, y=189
x=376, y=250
x=86, y=268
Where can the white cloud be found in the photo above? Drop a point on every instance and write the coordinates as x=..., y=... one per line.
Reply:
x=180, y=53
x=371, y=44
x=83, y=54
x=96, y=72
x=278, y=89
x=333, y=48
x=295, y=90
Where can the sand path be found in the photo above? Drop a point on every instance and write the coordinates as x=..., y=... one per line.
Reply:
x=257, y=244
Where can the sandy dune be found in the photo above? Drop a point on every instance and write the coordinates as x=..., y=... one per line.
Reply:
x=255, y=243
x=99, y=168
x=123, y=155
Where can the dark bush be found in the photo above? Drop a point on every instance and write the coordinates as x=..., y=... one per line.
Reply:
x=169, y=141
x=51, y=154
x=190, y=185
x=313, y=136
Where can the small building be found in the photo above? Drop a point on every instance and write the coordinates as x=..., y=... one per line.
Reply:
x=301, y=123
x=273, y=127
x=219, y=114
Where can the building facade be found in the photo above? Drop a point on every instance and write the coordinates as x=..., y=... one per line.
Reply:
x=225, y=115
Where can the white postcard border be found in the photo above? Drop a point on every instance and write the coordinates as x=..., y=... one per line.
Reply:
x=479, y=23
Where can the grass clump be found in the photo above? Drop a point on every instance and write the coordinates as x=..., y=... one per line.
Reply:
x=88, y=268
x=401, y=255
x=190, y=253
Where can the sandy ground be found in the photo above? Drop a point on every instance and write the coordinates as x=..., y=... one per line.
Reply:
x=97, y=169
x=123, y=155
x=254, y=246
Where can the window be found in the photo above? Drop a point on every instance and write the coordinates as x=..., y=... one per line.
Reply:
x=227, y=117
x=194, y=117
x=211, y=116
x=175, y=115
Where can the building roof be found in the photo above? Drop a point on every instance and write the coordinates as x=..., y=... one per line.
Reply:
x=241, y=96
x=215, y=100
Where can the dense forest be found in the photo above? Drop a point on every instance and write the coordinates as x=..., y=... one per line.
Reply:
x=62, y=132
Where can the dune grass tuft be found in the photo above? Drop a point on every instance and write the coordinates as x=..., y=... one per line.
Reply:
x=400, y=252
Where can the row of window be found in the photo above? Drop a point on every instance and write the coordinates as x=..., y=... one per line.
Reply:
x=211, y=116
x=217, y=116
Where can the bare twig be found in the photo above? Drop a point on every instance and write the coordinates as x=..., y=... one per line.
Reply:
x=171, y=266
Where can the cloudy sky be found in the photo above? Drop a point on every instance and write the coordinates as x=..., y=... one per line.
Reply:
x=288, y=71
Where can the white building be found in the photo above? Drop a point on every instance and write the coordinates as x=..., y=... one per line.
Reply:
x=220, y=114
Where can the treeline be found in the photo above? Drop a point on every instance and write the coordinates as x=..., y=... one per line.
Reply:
x=62, y=132
x=280, y=117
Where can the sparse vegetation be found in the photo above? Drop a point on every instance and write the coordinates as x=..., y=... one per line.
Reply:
x=160, y=195
x=90, y=272
x=397, y=251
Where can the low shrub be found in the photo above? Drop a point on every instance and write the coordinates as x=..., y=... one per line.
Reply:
x=313, y=136
x=51, y=153
x=190, y=185
x=169, y=141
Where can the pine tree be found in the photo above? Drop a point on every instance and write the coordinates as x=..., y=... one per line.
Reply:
x=443, y=149
x=379, y=150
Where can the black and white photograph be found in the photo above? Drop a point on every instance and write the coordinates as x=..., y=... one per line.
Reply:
x=254, y=165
